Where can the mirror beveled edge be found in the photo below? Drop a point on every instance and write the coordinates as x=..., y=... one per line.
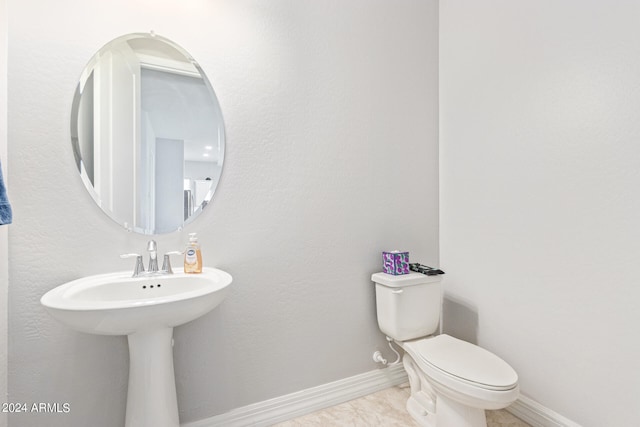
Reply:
x=129, y=222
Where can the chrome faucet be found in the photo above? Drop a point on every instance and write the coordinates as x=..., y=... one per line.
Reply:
x=152, y=270
x=152, y=248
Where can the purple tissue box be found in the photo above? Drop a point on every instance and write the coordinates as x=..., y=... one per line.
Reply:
x=395, y=262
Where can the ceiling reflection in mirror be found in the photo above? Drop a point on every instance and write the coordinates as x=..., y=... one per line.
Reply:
x=147, y=134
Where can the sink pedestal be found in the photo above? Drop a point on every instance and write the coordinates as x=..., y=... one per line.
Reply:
x=151, y=398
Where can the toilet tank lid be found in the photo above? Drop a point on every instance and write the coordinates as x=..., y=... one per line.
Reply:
x=401, y=280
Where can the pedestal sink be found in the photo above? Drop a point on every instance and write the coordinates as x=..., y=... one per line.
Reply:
x=146, y=309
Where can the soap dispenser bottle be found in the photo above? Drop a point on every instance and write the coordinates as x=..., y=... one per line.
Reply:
x=193, y=256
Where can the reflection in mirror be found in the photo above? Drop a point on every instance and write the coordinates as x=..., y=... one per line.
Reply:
x=147, y=134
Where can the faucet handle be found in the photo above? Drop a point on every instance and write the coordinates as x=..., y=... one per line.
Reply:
x=166, y=262
x=139, y=267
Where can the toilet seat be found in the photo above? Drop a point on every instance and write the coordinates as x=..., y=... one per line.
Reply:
x=456, y=361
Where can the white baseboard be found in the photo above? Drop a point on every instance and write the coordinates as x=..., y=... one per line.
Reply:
x=533, y=413
x=283, y=408
x=272, y=411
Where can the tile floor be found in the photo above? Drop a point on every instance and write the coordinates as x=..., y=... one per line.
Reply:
x=384, y=408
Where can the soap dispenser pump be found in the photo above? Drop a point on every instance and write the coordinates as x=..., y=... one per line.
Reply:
x=193, y=256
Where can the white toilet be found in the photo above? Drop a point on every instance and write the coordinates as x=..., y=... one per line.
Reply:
x=452, y=381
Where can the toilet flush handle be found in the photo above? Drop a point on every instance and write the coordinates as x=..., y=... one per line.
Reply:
x=397, y=291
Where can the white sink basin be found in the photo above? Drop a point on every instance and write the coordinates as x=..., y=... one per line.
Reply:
x=146, y=309
x=117, y=304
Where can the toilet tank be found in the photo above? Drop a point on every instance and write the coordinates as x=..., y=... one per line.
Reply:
x=408, y=305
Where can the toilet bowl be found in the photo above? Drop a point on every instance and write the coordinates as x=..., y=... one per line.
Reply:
x=463, y=380
x=452, y=381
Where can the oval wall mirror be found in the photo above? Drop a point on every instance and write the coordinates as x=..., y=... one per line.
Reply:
x=147, y=134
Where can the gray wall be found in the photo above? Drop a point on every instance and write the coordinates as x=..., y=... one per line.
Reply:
x=331, y=117
x=540, y=165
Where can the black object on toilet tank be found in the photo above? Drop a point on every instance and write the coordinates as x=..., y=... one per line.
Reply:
x=425, y=269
